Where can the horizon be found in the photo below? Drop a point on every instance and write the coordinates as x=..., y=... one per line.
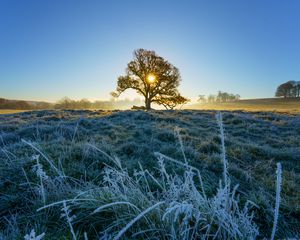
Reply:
x=50, y=50
x=191, y=102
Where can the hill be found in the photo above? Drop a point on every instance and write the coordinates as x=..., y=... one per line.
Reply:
x=9, y=104
x=291, y=105
x=101, y=169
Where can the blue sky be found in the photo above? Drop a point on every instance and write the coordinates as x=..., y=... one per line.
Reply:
x=51, y=49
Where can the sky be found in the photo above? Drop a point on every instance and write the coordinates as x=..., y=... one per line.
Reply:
x=75, y=48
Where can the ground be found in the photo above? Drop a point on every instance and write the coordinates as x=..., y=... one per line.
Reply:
x=254, y=141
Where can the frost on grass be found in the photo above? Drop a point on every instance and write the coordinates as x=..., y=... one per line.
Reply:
x=168, y=206
x=171, y=200
x=277, y=204
x=67, y=214
x=32, y=236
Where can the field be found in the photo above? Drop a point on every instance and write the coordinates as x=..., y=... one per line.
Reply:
x=290, y=105
x=131, y=174
x=10, y=111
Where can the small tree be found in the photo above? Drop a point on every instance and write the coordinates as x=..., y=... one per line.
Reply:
x=84, y=104
x=297, y=89
x=154, y=78
x=201, y=98
x=211, y=98
x=237, y=97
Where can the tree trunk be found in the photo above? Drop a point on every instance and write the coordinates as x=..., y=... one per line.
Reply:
x=147, y=104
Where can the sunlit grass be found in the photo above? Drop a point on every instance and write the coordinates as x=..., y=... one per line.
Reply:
x=253, y=105
x=11, y=111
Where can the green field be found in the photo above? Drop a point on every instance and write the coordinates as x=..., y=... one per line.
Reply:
x=93, y=159
x=255, y=105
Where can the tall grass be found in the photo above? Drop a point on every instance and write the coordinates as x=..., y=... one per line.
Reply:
x=223, y=151
x=277, y=204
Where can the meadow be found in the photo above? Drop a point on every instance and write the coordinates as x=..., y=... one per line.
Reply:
x=288, y=105
x=10, y=111
x=149, y=175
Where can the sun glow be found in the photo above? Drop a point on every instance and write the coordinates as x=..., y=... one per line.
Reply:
x=151, y=78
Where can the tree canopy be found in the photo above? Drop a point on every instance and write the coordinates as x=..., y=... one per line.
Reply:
x=288, y=89
x=220, y=97
x=154, y=78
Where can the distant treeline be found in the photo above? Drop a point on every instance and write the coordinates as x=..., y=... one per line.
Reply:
x=23, y=105
x=67, y=103
x=220, y=97
x=288, y=89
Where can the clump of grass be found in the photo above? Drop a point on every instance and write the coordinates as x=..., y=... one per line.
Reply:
x=38, y=169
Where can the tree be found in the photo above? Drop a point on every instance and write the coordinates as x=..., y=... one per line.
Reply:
x=65, y=103
x=227, y=97
x=201, y=98
x=153, y=77
x=296, y=88
x=211, y=98
x=285, y=90
x=84, y=104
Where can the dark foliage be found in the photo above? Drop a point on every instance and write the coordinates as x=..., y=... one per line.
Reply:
x=288, y=89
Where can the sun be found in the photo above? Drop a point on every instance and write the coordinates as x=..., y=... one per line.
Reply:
x=151, y=78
